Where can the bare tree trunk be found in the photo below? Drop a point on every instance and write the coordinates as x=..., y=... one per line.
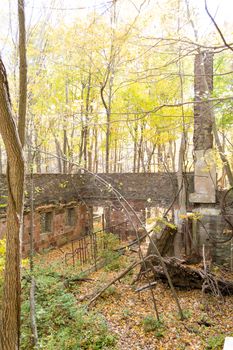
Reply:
x=22, y=72
x=166, y=164
x=71, y=148
x=59, y=155
x=10, y=322
x=82, y=129
x=135, y=148
x=140, y=157
x=0, y=159
x=109, y=79
x=33, y=282
x=119, y=167
x=96, y=159
x=107, y=154
x=143, y=157
x=172, y=153
x=160, y=158
x=37, y=154
x=178, y=240
x=150, y=156
x=86, y=141
x=90, y=151
x=64, y=149
x=223, y=157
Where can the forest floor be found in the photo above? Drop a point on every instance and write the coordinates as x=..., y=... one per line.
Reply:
x=131, y=316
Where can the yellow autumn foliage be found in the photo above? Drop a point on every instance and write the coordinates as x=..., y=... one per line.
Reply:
x=2, y=255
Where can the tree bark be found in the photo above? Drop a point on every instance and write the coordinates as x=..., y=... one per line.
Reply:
x=10, y=322
x=178, y=241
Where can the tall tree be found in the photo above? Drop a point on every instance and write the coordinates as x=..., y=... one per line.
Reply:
x=10, y=321
x=22, y=72
x=14, y=140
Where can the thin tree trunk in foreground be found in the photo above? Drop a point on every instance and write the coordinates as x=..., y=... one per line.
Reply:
x=33, y=282
x=22, y=72
x=10, y=318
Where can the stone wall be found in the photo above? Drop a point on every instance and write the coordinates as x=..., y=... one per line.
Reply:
x=154, y=189
x=213, y=232
x=125, y=223
x=55, y=192
x=61, y=230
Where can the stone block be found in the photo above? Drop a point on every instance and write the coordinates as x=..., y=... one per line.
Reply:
x=204, y=178
x=228, y=344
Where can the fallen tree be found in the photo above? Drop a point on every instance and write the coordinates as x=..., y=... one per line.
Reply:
x=193, y=276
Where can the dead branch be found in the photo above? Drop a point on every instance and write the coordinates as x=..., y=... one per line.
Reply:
x=146, y=286
x=217, y=27
x=129, y=268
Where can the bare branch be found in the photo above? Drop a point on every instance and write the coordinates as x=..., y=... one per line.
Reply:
x=217, y=27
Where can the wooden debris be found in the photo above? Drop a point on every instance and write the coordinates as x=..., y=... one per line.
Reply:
x=187, y=276
x=146, y=286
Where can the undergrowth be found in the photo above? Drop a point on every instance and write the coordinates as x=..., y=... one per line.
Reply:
x=215, y=342
x=151, y=324
x=62, y=324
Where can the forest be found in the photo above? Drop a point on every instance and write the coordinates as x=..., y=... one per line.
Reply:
x=116, y=175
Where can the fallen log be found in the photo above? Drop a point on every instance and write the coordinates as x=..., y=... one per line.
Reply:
x=187, y=276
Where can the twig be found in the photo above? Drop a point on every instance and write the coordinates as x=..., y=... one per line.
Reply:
x=146, y=286
x=217, y=27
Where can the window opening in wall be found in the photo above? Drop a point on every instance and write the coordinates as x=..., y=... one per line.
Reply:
x=70, y=217
x=46, y=219
x=98, y=218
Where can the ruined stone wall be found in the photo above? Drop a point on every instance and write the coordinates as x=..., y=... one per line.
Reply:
x=155, y=189
x=125, y=224
x=214, y=233
x=61, y=230
x=54, y=193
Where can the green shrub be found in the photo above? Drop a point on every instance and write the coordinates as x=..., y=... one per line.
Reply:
x=186, y=313
x=150, y=324
x=113, y=261
x=215, y=342
x=126, y=313
x=109, y=241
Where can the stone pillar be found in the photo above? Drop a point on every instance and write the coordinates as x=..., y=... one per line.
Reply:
x=204, y=167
